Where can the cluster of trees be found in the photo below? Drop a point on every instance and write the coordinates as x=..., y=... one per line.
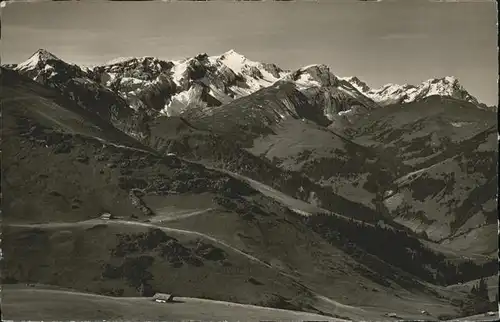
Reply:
x=478, y=301
x=481, y=289
x=398, y=248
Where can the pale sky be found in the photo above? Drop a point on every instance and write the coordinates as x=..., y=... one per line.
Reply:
x=387, y=42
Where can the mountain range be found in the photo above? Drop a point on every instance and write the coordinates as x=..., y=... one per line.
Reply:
x=207, y=81
x=240, y=181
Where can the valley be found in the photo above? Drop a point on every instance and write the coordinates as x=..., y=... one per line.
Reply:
x=246, y=190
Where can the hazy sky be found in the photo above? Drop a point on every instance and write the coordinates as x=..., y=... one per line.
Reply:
x=390, y=41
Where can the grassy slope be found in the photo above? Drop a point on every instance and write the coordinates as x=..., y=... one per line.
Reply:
x=460, y=199
x=21, y=303
x=56, y=255
x=419, y=133
x=352, y=171
x=491, y=282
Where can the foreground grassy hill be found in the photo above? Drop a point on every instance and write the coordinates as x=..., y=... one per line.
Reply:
x=22, y=303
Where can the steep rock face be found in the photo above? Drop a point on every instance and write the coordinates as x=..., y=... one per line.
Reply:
x=143, y=82
x=204, y=82
x=339, y=100
x=314, y=75
x=198, y=82
x=392, y=143
x=358, y=84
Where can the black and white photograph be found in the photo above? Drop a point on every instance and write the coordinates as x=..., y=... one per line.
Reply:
x=273, y=160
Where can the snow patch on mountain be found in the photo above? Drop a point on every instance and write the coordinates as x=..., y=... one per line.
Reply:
x=317, y=75
x=460, y=124
x=179, y=71
x=119, y=60
x=305, y=80
x=180, y=101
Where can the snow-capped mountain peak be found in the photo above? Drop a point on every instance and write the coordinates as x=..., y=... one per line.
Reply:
x=232, y=52
x=243, y=66
x=41, y=56
x=254, y=75
x=406, y=93
x=201, y=80
x=236, y=62
x=316, y=75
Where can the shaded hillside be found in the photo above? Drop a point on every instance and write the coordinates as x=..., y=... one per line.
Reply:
x=447, y=184
x=254, y=115
x=359, y=238
x=107, y=170
x=77, y=85
x=18, y=90
x=155, y=261
x=221, y=150
x=352, y=171
x=462, y=196
x=419, y=133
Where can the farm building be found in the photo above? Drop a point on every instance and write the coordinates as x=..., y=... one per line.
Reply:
x=106, y=216
x=163, y=297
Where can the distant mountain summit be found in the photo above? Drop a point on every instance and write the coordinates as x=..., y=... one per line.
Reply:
x=169, y=87
x=39, y=58
x=406, y=93
x=338, y=98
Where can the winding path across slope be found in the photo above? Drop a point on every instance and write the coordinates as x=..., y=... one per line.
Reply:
x=94, y=222
x=336, y=306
